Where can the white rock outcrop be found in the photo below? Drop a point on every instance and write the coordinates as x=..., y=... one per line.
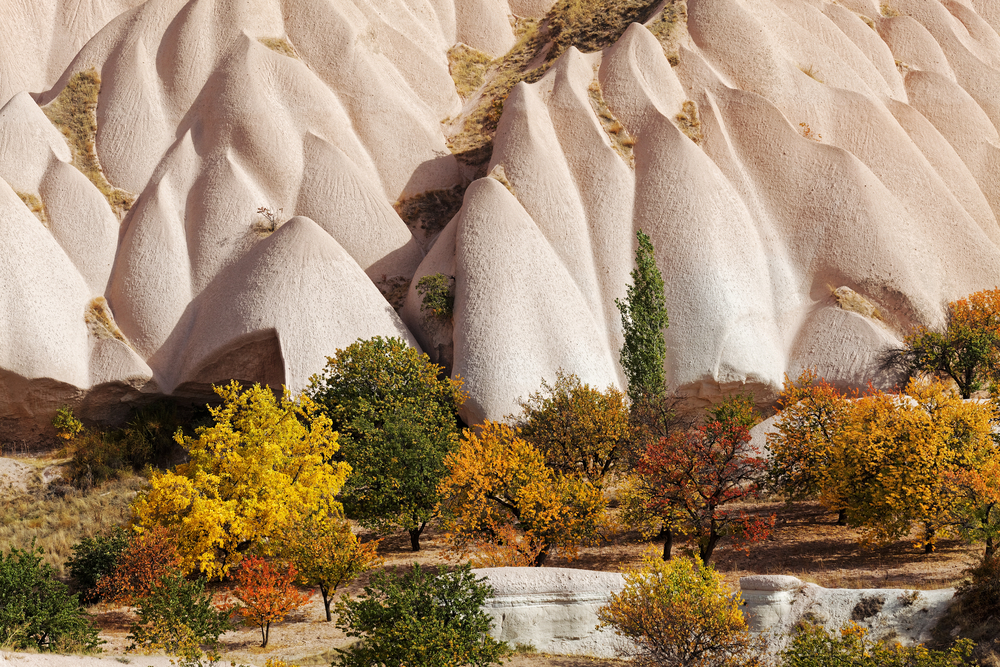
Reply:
x=796, y=152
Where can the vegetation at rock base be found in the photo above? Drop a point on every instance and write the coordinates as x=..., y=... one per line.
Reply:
x=579, y=429
x=397, y=417
x=967, y=352
x=497, y=481
x=436, y=621
x=438, y=292
x=427, y=213
x=467, y=67
x=680, y=612
x=814, y=646
x=36, y=206
x=265, y=464
x=37, y=611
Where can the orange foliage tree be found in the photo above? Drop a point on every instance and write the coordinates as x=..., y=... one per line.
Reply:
x=327, y=554
x=689, y=478
x=497, y=479
x=141, y=566
x=267, y=593
x=803, y=450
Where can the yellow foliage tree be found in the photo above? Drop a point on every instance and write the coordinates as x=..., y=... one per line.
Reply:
x=900, y=454
x=497, y=479
x=266, y=464
x=681, y=613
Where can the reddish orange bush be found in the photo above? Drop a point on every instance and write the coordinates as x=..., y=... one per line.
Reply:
x=268, y=593
x=148, y=558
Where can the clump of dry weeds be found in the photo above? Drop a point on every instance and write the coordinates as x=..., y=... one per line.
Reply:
x=669, y=28
x=427, y=213
x=468, y=68
x=74, y=112
x=688, y=121
x=279, y=45
x=100, y=322
x=36, y=206
x=621, y=141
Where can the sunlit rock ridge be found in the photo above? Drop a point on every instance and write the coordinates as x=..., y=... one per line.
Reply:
x=785, y=149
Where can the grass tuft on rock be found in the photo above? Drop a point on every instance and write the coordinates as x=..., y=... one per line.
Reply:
x=468, y=68
x=621, y=141
x=427, y=213
x=36, y=206
x=688, y=121
x=74, y=113
x=100, y=321
x=279, y=45
x=669, y=27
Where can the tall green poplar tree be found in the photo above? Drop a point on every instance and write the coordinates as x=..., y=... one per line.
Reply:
x=644, y=317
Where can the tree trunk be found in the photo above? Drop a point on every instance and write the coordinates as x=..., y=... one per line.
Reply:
x=842, y=517
x=668, y=542
x=990, y=548
x=265, y=630
x=542, y=555
x=705, y=550
x=929, y=539
x=415, y=537
x=327, y=599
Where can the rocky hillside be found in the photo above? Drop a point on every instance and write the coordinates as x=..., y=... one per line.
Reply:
x=198, y=190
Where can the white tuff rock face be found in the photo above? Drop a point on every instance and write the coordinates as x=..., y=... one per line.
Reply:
x=840, y=152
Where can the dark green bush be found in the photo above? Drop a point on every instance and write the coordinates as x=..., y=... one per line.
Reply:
x=813, y=646
x=94, y=557
x=178, y=617
x=38, y=612
x=438, y=295
x=420, y=618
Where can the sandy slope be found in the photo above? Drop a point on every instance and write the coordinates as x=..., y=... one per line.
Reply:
x=837, y=147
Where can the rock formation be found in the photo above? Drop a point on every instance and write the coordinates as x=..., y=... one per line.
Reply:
x=780, y=153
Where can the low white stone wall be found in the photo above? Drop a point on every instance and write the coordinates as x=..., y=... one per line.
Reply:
x=553, y=609
x=775, y=604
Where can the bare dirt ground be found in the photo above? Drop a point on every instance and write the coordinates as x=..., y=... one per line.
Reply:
x=806, y=543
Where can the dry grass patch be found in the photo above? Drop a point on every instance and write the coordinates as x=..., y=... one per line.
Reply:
x=57, y=519
x=279, y=45
x=670, y=27
x=100, y=322
x=851, y=301
x=621, y=141
x=689, y=123
x=394, y=289
x=74, y=112
x=468, y=68
x=36, y=206
x=427, y=213
x=888, y=10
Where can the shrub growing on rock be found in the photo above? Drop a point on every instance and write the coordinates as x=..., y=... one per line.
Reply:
x=813, y=646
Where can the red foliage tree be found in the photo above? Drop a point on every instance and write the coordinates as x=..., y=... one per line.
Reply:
x=149, y=557
x=268, y=593
x=691, y=477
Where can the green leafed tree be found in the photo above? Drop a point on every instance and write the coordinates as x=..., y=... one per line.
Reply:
x=420, y=618
x=397, y=416
x=644, y=317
